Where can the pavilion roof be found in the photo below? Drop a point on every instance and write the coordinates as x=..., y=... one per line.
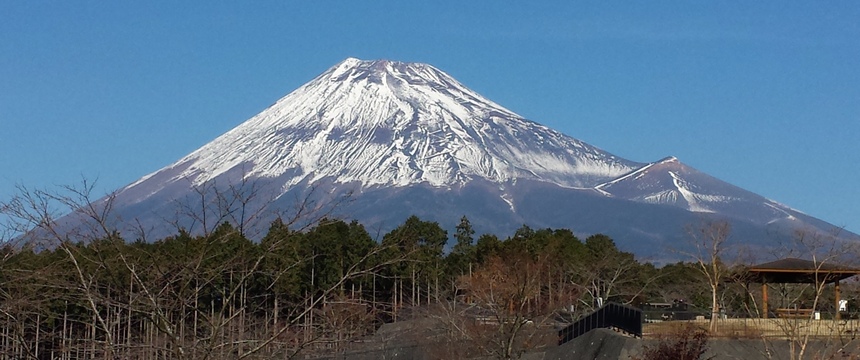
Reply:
x=794, y=270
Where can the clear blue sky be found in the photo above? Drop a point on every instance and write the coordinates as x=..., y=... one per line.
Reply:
x=764, y=95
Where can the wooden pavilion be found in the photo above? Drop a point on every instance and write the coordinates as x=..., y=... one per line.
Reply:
x=798, y=271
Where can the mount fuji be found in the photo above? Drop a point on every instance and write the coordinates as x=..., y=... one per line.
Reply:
x=398, y=139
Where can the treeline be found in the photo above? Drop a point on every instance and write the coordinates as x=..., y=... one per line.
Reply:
x=224, y=296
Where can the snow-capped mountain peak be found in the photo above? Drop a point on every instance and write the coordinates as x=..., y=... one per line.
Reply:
x=389, y=123
x=403, y=138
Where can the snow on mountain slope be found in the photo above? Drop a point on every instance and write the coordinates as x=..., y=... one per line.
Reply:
x=386, y=123
x=671, y=182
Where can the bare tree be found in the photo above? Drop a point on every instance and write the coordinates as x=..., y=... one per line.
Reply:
x=506, y=309
x=709, y=242
x=207, y=296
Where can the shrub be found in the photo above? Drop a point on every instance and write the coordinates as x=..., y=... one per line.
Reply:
x=685, y=343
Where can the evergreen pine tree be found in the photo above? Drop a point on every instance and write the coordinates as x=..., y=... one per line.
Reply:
x=462, y=255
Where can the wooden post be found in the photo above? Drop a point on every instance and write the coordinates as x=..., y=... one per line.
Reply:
x=764, y=300
x=838, y=315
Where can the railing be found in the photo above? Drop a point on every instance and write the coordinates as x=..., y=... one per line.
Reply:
x=756, y=328
x=611, y=315
x=795, y=313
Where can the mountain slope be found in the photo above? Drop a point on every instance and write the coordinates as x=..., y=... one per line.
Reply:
x=406, y=138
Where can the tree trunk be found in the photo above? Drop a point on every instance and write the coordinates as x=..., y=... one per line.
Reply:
x=715, y=310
